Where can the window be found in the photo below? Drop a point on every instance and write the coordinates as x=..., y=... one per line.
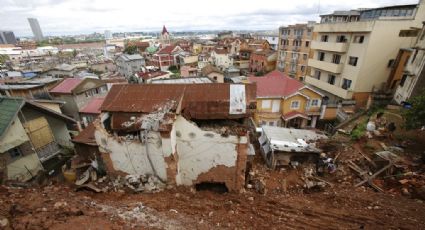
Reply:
x=321, y=56
x=353, y=61
x=346, y=84
x=390, y=63
x=336, y=58
x=215, y=78
x=266, y=104
x=15, y=153
x=341, y=38
x=331, y=79
x=303, y=68
x=408, y=33
x=307, y=44
x=263, y=123
x=317, y=74
x=295, y=105
x=314, y=102
x=324, y=38
x=403, y=79
x=305, y=56
x=293, y=67
x=358, y=39
x=299, y=32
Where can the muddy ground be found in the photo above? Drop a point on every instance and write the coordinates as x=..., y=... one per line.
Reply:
x=61, y=207
x=284, y=204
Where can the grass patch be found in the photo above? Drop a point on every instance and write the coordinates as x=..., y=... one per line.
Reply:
x=359, y=131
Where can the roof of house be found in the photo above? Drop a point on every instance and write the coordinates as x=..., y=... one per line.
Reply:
x=86, y=136
x=220, y=51
x=294, y=114
x=167, y=50
x=209, y=69
x=67, y=85
x=292, y=140
x=275, y=84
x=65, y=67
x=149, y=75
x=131, y=57
x=183, y=80
x=192, y=100
x=93, y=107
x=9, y=107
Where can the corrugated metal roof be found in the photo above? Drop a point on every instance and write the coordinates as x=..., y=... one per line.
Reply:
x=198, y=101
x=67, y=85
x=93, y=106
x=9, y=107
x=86, y=136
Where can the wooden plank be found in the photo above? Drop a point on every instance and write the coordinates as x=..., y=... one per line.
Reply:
x=374, y=175
x=367, y=158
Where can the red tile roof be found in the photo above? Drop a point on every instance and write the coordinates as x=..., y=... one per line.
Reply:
x=220, y=51
x=167, y=50
x=275, y=84
x=197, y=101
x=66, y=86
x=93, y=106
x=294, y=114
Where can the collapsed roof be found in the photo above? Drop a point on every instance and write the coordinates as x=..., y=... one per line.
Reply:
x=194, y=101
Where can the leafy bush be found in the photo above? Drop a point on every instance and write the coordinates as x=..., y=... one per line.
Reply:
x=359, y=131
x=415, y=116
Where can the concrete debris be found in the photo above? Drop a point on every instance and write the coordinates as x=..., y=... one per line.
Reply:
x=4, y=222
x=143, y=183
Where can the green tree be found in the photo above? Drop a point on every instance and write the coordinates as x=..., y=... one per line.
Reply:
x=74, y=53
x=415, y=116
x=130, y=50
x=3, y=58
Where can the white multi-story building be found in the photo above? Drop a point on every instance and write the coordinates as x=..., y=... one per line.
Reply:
x=352, y=50
x=413, y=81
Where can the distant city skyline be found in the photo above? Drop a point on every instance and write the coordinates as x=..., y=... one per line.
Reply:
x=72, y=17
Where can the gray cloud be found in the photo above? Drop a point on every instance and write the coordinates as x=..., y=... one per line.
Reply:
x=82, y=16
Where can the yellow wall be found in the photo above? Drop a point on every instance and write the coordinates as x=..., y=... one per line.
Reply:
x=18, y=169
x=313, y=95
x=287, y=104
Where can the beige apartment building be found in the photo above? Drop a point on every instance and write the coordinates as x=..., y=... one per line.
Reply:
x=294, y=49
x=353, y=51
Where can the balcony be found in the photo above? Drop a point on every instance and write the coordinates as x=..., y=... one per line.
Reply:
x=340, y=47
x=333, y=89
x=326, y=66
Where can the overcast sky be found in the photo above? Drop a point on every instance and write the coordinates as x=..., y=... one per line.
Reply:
x=58, y=17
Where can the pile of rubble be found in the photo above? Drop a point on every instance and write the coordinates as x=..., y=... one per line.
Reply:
x=130, y=183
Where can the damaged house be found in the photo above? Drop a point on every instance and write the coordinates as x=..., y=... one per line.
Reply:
x=184, y=134
x=283, y=146
x=30, y=135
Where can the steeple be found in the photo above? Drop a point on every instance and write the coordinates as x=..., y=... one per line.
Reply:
x=164, y=30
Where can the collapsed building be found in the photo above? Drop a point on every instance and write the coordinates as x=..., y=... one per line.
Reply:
x=184, y=134
x=285, y=146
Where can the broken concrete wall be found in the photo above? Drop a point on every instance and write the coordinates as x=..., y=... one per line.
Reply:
x=205, y=156
x=186, y=155
x=131, y=156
